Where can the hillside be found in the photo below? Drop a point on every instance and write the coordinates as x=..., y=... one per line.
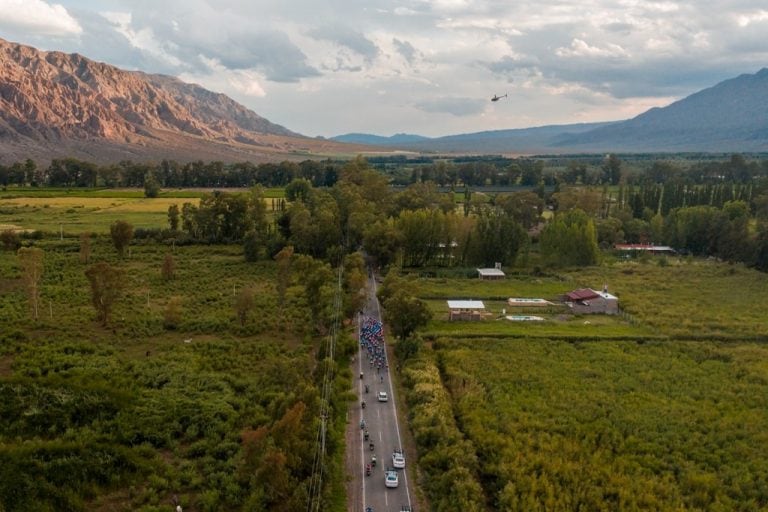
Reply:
x=54, y=104
x=522, y=140
x=730, y=116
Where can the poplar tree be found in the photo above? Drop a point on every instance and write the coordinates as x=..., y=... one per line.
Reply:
x=31, y=260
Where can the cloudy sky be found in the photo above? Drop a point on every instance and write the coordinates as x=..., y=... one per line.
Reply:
x=327, y=67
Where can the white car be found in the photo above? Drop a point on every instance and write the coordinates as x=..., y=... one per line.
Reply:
x=382, y=396
x=398, y=459
x=390, y=478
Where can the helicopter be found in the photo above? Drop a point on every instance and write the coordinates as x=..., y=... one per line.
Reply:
x=497, y=98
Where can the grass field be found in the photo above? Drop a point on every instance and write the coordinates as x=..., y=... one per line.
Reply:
x=694, y=299
x=77, y=211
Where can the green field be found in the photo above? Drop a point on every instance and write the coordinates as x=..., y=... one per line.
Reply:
x=74, y=211
x=662, y=408
x=691, y=299
x=613, y=425
x=127, y=416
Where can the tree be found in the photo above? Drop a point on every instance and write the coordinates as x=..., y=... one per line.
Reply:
x=382, y=240
x=570, y=239
x=168, y=270
x=257, y=234
x=318, y=281
x=244, y=303
x=405, y=313
x=354, y=283
x=151, y=186
x=31, y=260
x=172, y=313
x=612, y=170
x=525, y=207
x=85, y=247
x=298, y=190
x=283, y=259
x=122, y=234
x=107, y=283
x=497, y=238
x=173, y=217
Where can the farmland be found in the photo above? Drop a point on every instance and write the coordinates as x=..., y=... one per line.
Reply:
x=75, y=211
x=207, y=409
x=663, y=408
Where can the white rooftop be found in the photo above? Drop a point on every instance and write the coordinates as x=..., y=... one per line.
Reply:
x=606, y=295
x=466, y=304
x=490, y=272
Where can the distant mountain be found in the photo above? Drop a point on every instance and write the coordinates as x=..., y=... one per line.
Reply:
x=398, y=139
x=521, y=140
x=731, y=116
x=54, y=104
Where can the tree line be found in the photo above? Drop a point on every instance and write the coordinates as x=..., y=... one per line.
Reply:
x=493, y=171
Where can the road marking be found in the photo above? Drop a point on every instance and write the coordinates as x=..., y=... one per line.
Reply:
x=391, y=393
x=360, y=389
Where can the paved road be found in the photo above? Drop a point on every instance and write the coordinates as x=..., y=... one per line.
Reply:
x=382, y=424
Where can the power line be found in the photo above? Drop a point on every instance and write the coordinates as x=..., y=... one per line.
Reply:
x=315, y=492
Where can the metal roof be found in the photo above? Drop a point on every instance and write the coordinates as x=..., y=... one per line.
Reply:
x=582, y=294
x=466, y=304
x=490, y=272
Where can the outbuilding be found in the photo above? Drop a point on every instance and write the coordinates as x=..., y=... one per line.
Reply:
x=490, y=274
x=466, y=310
x=587, y=300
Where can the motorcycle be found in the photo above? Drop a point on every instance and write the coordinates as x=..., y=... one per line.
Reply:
x=367, y=470
x=373, y=460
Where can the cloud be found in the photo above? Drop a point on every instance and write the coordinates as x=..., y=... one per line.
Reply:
x=347, y=38
x=579, y=48
x=243, y=83
x=753, y=17
x=38, y=17
x=405, y=49
x=460, y=107
x=191, y=40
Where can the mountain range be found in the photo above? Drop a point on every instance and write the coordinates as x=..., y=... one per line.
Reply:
x=54, y=105
x=731, y=116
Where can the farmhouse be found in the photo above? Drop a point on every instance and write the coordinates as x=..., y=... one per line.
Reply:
x=490, y=274
x=587, y=300
x=465, y=310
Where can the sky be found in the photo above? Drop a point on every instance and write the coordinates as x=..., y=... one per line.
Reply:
x=428, y=67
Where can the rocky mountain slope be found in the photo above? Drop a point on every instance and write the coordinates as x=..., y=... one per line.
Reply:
x=54, y=104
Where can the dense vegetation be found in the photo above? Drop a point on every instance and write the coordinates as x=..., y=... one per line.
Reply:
x=212, y=409
x=613, y=426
